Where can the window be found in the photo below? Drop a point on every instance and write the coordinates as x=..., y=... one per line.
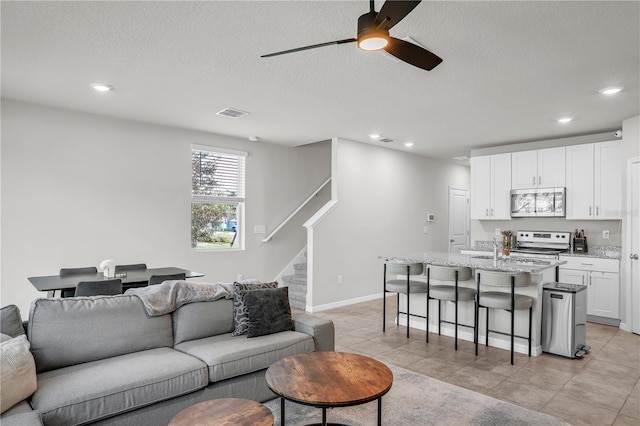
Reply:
x=217, y=198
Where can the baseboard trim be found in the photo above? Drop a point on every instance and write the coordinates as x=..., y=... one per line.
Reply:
x=343, y=303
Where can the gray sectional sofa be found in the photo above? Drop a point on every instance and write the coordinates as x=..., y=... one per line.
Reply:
x=103, y=360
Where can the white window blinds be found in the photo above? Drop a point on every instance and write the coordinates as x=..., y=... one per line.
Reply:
x=217, y=175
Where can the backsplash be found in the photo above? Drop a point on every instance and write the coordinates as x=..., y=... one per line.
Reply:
x=595, y=250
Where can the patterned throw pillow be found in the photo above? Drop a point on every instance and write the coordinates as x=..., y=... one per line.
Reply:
x=269, y=311
x=240, y=313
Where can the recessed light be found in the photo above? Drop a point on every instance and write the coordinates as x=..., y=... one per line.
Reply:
x=374, y=136
x=253, y=138
x=564, y=119
x=611, y=90
x=101, y=87
x=408, y=144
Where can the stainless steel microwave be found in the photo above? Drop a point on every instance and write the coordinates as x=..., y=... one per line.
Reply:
x=538, y=202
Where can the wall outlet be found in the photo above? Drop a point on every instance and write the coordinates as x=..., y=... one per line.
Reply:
x=339, y=279
x=498, y=232
x=425, y=229
x=239, y=277
x=605, y=235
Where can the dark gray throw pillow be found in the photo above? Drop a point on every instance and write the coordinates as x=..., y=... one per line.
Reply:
x=240, y=314
x=269, y=311
x=11, y=321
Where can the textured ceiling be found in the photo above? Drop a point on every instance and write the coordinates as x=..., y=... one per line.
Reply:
x=510, y=68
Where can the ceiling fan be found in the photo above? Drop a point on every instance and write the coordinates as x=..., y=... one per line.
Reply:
x=373, y=34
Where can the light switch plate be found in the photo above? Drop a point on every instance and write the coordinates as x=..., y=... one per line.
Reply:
x=259, y=229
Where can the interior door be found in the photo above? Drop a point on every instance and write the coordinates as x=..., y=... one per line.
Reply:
x=633, y=268
x=458, y=219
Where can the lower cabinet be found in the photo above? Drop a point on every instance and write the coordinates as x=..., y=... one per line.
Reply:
x=602, y=278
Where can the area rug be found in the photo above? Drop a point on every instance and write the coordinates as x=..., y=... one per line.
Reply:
x=415, y=399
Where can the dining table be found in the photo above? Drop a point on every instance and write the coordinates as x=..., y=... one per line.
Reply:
x=135, y=278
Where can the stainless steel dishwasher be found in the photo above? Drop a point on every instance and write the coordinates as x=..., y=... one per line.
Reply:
x=564, y=317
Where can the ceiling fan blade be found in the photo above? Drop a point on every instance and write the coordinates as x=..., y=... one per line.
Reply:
x=394, y=12
x=314, y=46
x=412, y=54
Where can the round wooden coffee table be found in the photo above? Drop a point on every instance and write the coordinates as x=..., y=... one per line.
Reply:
x=328, y=380
x=226, y=411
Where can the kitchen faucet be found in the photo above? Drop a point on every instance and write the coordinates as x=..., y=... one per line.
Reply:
x=496, y=248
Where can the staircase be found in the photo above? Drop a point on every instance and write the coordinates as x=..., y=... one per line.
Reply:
x=297, y=284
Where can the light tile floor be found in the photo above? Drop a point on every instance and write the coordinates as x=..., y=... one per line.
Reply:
x=603, y=388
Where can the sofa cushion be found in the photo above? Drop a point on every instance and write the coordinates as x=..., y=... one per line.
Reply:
x=269, y=311
x=17, y=372
x=202, y=319
x=87, y=323
x=21, y=414
x=95, y=390
x=229, y=356
x=11, y=321
x=240, y=314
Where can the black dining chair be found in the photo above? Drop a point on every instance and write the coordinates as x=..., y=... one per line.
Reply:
x=159, y=279
x=132, y=267
x=65, y=272
x=99, y=288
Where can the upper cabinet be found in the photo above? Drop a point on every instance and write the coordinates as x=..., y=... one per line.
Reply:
x=542, y=168
x=594, y=181
x=490, y=187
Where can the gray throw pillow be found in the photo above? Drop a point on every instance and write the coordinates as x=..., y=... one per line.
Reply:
x=269, y=311
x=11, y=321
x=240, y=314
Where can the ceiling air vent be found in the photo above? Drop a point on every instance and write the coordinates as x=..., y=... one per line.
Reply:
x=232, y=113
x=386, y=140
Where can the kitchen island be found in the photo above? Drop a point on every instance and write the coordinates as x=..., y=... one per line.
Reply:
x=542, y=271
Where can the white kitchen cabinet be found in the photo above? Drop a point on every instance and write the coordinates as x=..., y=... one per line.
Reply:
x=607, y=189
x=490, y=187
x=542, y=168
x=602, y=278
x=594, y=181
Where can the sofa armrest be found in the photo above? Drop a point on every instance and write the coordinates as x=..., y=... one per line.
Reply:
x=321, y=329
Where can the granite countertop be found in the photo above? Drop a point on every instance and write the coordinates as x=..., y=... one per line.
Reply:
x=474, y=261
x=602, y=252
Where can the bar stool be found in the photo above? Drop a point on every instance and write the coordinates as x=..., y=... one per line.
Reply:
x=452, y=293
x=405, y=286
x=502, y=300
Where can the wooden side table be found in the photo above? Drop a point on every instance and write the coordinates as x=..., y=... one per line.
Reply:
x=329, y=379
x=226, y=411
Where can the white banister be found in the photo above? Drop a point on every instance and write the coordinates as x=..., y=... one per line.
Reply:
x=304, y=203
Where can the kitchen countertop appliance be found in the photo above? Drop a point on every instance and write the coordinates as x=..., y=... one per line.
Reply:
x=564, y=318
x=541, y=244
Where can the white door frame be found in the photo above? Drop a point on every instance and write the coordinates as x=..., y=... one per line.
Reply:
x=631, y=287
x=467, y=224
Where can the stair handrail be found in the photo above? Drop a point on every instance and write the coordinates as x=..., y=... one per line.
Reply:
x=300, y=207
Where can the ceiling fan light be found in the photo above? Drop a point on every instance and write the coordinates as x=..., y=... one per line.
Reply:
x=374, y=40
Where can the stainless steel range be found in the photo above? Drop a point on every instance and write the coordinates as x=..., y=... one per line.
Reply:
x=541, y=244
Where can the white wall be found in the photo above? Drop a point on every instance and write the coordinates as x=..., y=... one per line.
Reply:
x=79, y=188
x=383, y=200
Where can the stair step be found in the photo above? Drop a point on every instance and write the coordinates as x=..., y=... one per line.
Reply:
x=300, y=269
x=294, y=280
